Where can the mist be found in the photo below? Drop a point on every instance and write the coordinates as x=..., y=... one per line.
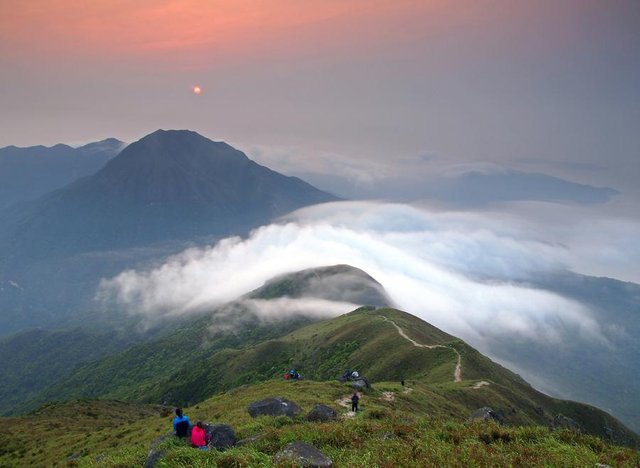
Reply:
x=466, y=273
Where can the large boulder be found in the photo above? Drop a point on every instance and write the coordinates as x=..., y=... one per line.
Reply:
x=301, y=454
x=485, y=414
x=322, y=413
x=360, y=384
x=275, y=406
x=221, y=436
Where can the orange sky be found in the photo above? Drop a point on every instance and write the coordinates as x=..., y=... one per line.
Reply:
x=147, y=28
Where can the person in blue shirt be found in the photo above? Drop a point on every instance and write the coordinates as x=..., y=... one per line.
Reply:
x=181, y=424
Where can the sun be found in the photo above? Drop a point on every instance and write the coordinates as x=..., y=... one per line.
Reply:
x=197, y=90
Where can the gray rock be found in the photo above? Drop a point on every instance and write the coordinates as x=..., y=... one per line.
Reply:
x=564, y=422
x=360, y=384
x=221, y=436
x=276, y=406
x=322, y=413
x=154, y=454
x=485, y=414
x=302, y=454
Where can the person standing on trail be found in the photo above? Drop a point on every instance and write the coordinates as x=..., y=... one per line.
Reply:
x=354, y=402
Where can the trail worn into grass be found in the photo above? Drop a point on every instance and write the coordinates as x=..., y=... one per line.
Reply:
x=457, y=373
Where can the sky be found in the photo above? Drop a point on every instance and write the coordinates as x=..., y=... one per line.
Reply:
x=541, y=86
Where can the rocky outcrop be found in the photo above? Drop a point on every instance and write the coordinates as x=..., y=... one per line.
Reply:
x=358, y=381
x=322, y=413
x=301, y=454
x=154, y=454
x=275, y=406
x=221, y=436
x=360, y=384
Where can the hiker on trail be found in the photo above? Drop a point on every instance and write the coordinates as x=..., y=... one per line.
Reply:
x=181, y=423
x=199, y=436
x=354, y=402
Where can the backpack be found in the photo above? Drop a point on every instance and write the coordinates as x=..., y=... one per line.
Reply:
x=182, y=429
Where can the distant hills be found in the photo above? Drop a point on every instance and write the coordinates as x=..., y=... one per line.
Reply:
x=28, y=173
x=160, y=194
x=169, y=185
x=467, y=187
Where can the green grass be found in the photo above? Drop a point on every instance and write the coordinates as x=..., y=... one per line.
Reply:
x=425, y=426
x=419, y=428
x=411, y=431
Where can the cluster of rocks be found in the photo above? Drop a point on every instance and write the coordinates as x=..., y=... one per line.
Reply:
x=358, y=382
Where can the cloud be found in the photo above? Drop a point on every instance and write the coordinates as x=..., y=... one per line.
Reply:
x=459, y=271
x=243, y=311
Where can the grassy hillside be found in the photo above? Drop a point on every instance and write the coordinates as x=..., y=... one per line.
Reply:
x=419, y=424
x=367, y=340
x=143, y=372
x=31, y=360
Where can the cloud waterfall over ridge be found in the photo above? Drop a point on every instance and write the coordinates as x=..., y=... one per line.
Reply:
x=459, y=271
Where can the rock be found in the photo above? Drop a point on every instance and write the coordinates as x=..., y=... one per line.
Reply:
x=276, y=406
x=564, y=422
x=302, y=454
x=221, y=436
x=154, y=454
x=360, y=384
x=602, y=465
x=485, y=414
x=322, y=413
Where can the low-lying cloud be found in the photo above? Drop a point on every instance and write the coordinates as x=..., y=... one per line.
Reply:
x=462, y=272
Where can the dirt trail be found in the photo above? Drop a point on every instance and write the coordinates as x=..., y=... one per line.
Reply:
x=457, y=373
x=389, y=396
x=346, y=402
x=482, y=383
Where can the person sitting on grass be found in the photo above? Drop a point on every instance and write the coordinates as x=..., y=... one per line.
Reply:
x=181, y=423
x=199, y=436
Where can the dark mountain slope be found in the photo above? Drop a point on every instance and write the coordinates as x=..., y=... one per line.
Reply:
x=31, y=360
x=169, y=185
x=28, y=173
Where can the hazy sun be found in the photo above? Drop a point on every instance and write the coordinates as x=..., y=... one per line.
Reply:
x=197, y=90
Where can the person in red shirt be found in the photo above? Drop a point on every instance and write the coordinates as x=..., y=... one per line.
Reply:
x=198, y=436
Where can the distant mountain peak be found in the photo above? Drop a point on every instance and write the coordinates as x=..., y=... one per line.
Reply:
x=168, y=185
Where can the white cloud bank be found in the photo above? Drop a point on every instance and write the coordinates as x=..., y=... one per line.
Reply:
x=454, y=270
